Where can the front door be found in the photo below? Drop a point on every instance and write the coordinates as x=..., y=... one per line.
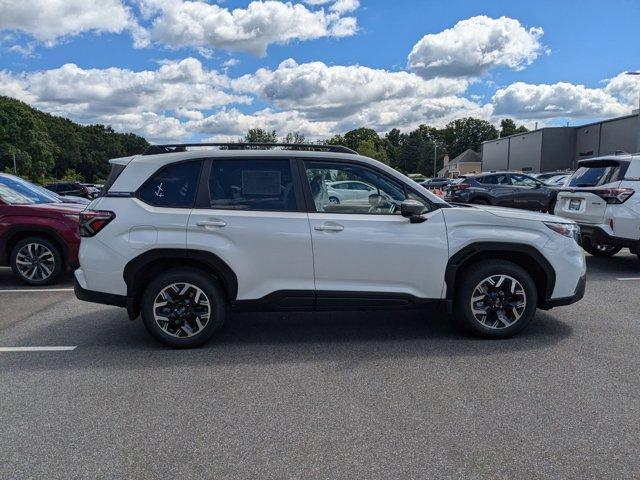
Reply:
x=529, y=193
x=254, y=220
x=366, y=251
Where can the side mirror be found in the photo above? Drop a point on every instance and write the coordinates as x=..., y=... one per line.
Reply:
x=412, y=209
x=538, y=185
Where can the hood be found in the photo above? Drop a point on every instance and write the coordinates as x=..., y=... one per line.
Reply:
x=520, y=214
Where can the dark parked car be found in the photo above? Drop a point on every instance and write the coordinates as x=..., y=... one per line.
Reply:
x=39, y=236
x=73, y=188
x=37, y=192
x=435, y=182
x=503, y=189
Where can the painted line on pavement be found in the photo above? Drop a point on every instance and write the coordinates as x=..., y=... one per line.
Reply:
x=36, y=349
x=628, y=279
x=20, y=290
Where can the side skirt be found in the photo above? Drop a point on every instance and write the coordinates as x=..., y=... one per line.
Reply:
x=309, y=300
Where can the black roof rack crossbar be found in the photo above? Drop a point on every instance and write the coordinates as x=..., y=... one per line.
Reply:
x=182, y=147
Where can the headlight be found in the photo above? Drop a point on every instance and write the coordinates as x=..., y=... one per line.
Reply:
x=570, y=230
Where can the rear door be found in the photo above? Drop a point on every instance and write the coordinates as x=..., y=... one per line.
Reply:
x=578, y=200
x=499, y=188
x=250, y=213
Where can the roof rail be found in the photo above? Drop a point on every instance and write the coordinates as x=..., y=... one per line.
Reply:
x=182, y=147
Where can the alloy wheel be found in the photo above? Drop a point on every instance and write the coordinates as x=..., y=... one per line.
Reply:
x=498, y=301
x=181, y=310
x=35, y=262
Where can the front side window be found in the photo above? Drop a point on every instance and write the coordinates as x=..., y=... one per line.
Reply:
x=265, y=185
x=376, y=193
x=175, y=185
x=523, y=181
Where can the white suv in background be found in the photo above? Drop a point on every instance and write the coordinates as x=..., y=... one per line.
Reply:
x=179, y=235
x=601, y=197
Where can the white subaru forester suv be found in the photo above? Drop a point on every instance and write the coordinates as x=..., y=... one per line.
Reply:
x=180, y=234
x=601, y=197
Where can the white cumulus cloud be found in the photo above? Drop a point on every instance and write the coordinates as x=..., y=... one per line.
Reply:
x=474, y=46
x=197, y=24
x=50, y=20
x=562, y=99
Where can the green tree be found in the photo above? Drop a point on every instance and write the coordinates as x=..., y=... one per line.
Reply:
x=369, y=149
x=464, y=133
x=508, y=127
x=353, y=138
x=258, y=135
x=294, y=137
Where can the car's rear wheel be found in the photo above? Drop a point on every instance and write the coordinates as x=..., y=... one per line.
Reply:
x=334, y=200
x=495, y=299
x=36, y=261
x=183, y=308
x=601, y=250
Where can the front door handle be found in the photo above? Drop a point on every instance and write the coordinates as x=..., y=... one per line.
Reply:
x=329, y=227
x=211, y=223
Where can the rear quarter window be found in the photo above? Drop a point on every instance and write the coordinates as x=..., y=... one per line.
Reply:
x=174, y=185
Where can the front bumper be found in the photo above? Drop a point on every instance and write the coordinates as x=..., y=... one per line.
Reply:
x=577, y=296
x=595, y=234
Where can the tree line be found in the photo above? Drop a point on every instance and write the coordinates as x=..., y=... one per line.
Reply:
x=46, y=146
x=410, y=152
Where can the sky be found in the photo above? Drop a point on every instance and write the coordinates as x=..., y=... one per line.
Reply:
x=173, y=70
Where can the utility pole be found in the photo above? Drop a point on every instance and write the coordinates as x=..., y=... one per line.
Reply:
x=435, y=157
x=15, y=169
x=638, y=143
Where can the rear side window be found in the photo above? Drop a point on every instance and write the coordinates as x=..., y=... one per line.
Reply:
x=265, y=185
x=595, y=175
x=175, y=185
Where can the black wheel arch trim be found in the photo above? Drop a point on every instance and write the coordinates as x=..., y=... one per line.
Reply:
x=220, y=268
x=470, y=252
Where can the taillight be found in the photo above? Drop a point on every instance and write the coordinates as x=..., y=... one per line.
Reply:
x=92, y=221
x=613, y=195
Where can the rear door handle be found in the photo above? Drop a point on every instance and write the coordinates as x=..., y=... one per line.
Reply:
x=329, y=227
x=211, y=223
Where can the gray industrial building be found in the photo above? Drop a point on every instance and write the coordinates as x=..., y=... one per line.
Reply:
x=560, y=148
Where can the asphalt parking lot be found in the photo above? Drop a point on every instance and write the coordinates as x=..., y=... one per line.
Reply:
x=332, y=395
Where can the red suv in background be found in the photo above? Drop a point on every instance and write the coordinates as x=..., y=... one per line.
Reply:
x=39, y=235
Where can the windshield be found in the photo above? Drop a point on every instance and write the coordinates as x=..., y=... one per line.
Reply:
x=594, y=176
x=12, y=197
x=33, y=192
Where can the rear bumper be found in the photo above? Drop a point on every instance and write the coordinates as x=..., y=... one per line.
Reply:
x=597, y=235
x=98, y=297
x=577, y=296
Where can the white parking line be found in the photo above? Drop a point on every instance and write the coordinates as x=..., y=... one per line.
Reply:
x=19, y=290
x=36, y=349
x=628, y=279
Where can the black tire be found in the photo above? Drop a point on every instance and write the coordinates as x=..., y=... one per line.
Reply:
x=334, y=200
x=480, y=201
x=474, y=276
x=52, y=262
x=209, y=286
x=600, y=250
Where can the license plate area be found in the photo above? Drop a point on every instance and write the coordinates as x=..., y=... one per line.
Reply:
x=574, y=204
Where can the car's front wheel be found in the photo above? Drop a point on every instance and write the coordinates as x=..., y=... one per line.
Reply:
x=36, y=261
x=600, y=250
x=495, y=299
x=183, y=308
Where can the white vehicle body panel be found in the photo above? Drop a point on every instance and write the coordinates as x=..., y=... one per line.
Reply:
x=380, y=253
x=268, y=251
